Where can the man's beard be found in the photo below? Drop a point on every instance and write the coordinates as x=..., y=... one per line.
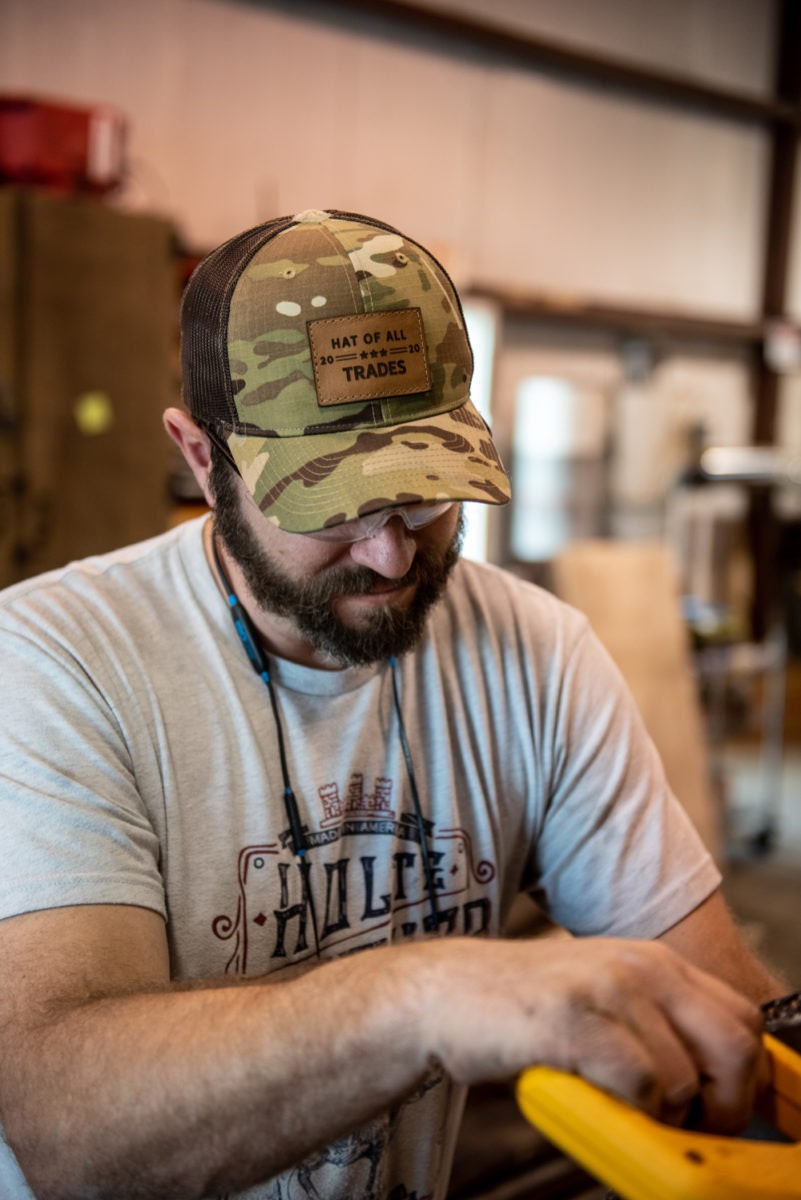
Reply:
x=385, y=631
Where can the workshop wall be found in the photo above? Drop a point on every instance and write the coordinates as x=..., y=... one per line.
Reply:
x=525, y=180
x=240, y=111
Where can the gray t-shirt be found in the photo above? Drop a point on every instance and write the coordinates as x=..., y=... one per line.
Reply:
x=139, y=765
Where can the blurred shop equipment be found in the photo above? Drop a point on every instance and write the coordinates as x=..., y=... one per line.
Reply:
x=750, y=464
x=742, y=679
x=60, y=146
x=87, y=365
x=558, y=466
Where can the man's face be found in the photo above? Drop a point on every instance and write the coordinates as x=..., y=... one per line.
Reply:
x=334, y=601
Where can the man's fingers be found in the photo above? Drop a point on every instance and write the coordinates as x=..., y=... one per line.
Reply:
x=610, y=1055
x=721, y=1033
x=623, y=1063
x=639, y=1058
x=672, y=1036
x=731, y=1067
x=676, y=1068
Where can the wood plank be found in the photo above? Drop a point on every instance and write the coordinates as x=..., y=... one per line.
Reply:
x=630, y=592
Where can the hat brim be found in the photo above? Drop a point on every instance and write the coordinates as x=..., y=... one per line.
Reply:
x=308, y=483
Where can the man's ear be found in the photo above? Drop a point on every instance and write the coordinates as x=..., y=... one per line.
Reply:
x=194, y=445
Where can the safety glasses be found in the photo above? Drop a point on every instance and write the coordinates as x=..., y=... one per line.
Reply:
x=414, y=517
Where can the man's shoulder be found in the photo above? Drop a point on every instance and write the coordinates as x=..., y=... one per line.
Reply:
x=491, y=607
x=97, y=566
x=505, y=595
x=104, y=580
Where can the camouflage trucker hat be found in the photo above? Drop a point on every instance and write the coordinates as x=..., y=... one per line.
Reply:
x=328, y=353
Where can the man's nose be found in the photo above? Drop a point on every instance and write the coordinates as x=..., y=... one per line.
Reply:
x=390, y=552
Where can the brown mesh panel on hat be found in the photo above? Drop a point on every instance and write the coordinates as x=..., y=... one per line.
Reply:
x=204, y=324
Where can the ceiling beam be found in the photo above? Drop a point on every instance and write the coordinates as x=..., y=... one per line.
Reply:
x=457, y=33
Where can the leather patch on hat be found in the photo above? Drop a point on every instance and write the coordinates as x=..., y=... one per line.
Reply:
x=369, y=356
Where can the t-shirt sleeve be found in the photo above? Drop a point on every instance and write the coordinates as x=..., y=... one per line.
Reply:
x=74, y=829
x=616, y=852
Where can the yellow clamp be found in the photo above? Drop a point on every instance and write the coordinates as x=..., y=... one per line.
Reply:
x=643, y=1159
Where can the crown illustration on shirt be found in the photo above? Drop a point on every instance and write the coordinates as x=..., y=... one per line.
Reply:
x=356, y=802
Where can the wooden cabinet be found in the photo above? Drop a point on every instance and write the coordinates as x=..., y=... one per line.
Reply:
x=88, y=312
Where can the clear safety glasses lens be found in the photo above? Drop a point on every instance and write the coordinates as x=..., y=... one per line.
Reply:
x=415, y=517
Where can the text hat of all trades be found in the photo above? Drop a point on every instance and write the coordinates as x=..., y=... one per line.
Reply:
x=328, y=352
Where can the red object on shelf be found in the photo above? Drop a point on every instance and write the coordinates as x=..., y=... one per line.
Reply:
x=61, y=147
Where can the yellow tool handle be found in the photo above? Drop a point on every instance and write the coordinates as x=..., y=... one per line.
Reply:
x=643, y=1159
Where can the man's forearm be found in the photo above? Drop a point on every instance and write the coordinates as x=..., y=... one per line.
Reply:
x=710, y=938
x=189, y=1092
x=186, y=1094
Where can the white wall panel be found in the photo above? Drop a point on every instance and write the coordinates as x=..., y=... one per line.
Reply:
x=242, y=111
x=636, y=203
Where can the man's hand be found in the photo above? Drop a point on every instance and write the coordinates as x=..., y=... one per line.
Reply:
x=632, y=1017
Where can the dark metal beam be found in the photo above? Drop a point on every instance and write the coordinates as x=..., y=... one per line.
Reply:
x=635, y=322
x=515, y=48
x=763, y=532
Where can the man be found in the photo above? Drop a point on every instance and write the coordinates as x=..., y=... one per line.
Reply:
x=204, y=819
